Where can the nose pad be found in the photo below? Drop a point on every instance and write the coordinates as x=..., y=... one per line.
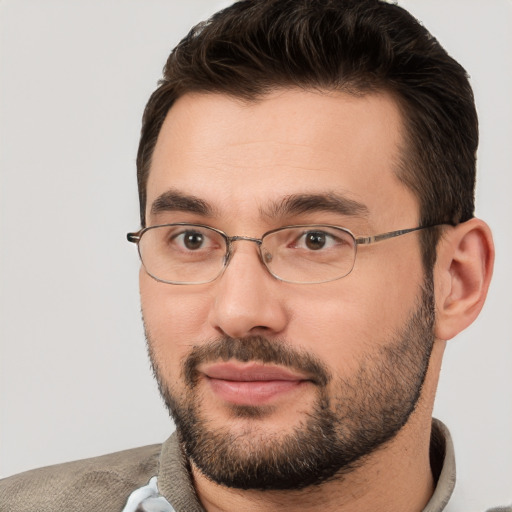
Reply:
x=266, y=256
x=227, y=256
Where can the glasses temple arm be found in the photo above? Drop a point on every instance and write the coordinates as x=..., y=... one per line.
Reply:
x=365, y=240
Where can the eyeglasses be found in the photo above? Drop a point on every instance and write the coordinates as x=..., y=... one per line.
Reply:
x=307, y=254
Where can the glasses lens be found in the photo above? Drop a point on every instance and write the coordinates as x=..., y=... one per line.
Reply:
x=182, y=254
x=309, y=254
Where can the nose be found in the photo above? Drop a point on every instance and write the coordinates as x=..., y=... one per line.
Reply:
x=247, y=299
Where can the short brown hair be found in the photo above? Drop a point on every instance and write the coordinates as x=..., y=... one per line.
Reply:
x=356, y=46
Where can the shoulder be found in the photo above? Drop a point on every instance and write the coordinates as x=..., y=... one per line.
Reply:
x=98, y=484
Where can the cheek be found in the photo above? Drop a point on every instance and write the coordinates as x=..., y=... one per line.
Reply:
x=334, y=329
x=172, y=318
x=344, y=321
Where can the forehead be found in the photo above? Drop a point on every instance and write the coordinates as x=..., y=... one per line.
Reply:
x=238, y=156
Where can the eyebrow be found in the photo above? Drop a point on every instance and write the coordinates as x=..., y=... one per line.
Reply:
x=297, y=204
x=174, y=201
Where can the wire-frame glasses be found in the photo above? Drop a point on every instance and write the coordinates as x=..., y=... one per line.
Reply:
x=183, y=253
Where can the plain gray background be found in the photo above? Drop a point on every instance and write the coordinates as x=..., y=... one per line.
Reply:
x=74, y=376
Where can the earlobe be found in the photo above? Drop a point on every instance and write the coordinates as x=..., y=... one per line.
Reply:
x=462, y=274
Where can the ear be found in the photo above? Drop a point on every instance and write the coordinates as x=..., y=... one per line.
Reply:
x=463, y=270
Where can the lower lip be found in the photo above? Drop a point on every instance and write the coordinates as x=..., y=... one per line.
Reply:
x=253, y=392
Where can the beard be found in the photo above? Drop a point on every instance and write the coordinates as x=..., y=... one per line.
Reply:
x=351, y=416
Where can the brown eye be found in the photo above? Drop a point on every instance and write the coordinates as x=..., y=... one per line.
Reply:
x=315, y=240
x=193, y=240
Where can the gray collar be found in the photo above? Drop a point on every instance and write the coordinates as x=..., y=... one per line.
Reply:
x=442, y=462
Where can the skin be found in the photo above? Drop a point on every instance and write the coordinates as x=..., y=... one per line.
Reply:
x=240, y=157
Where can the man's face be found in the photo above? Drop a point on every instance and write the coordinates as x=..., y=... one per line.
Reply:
x=274, y=384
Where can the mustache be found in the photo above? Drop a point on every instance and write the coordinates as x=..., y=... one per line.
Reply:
x=257, y=349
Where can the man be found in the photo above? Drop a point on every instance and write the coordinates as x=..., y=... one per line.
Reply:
x=308, y=245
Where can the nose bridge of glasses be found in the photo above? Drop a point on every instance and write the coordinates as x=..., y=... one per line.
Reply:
x=241, y=238
x=257, y=241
